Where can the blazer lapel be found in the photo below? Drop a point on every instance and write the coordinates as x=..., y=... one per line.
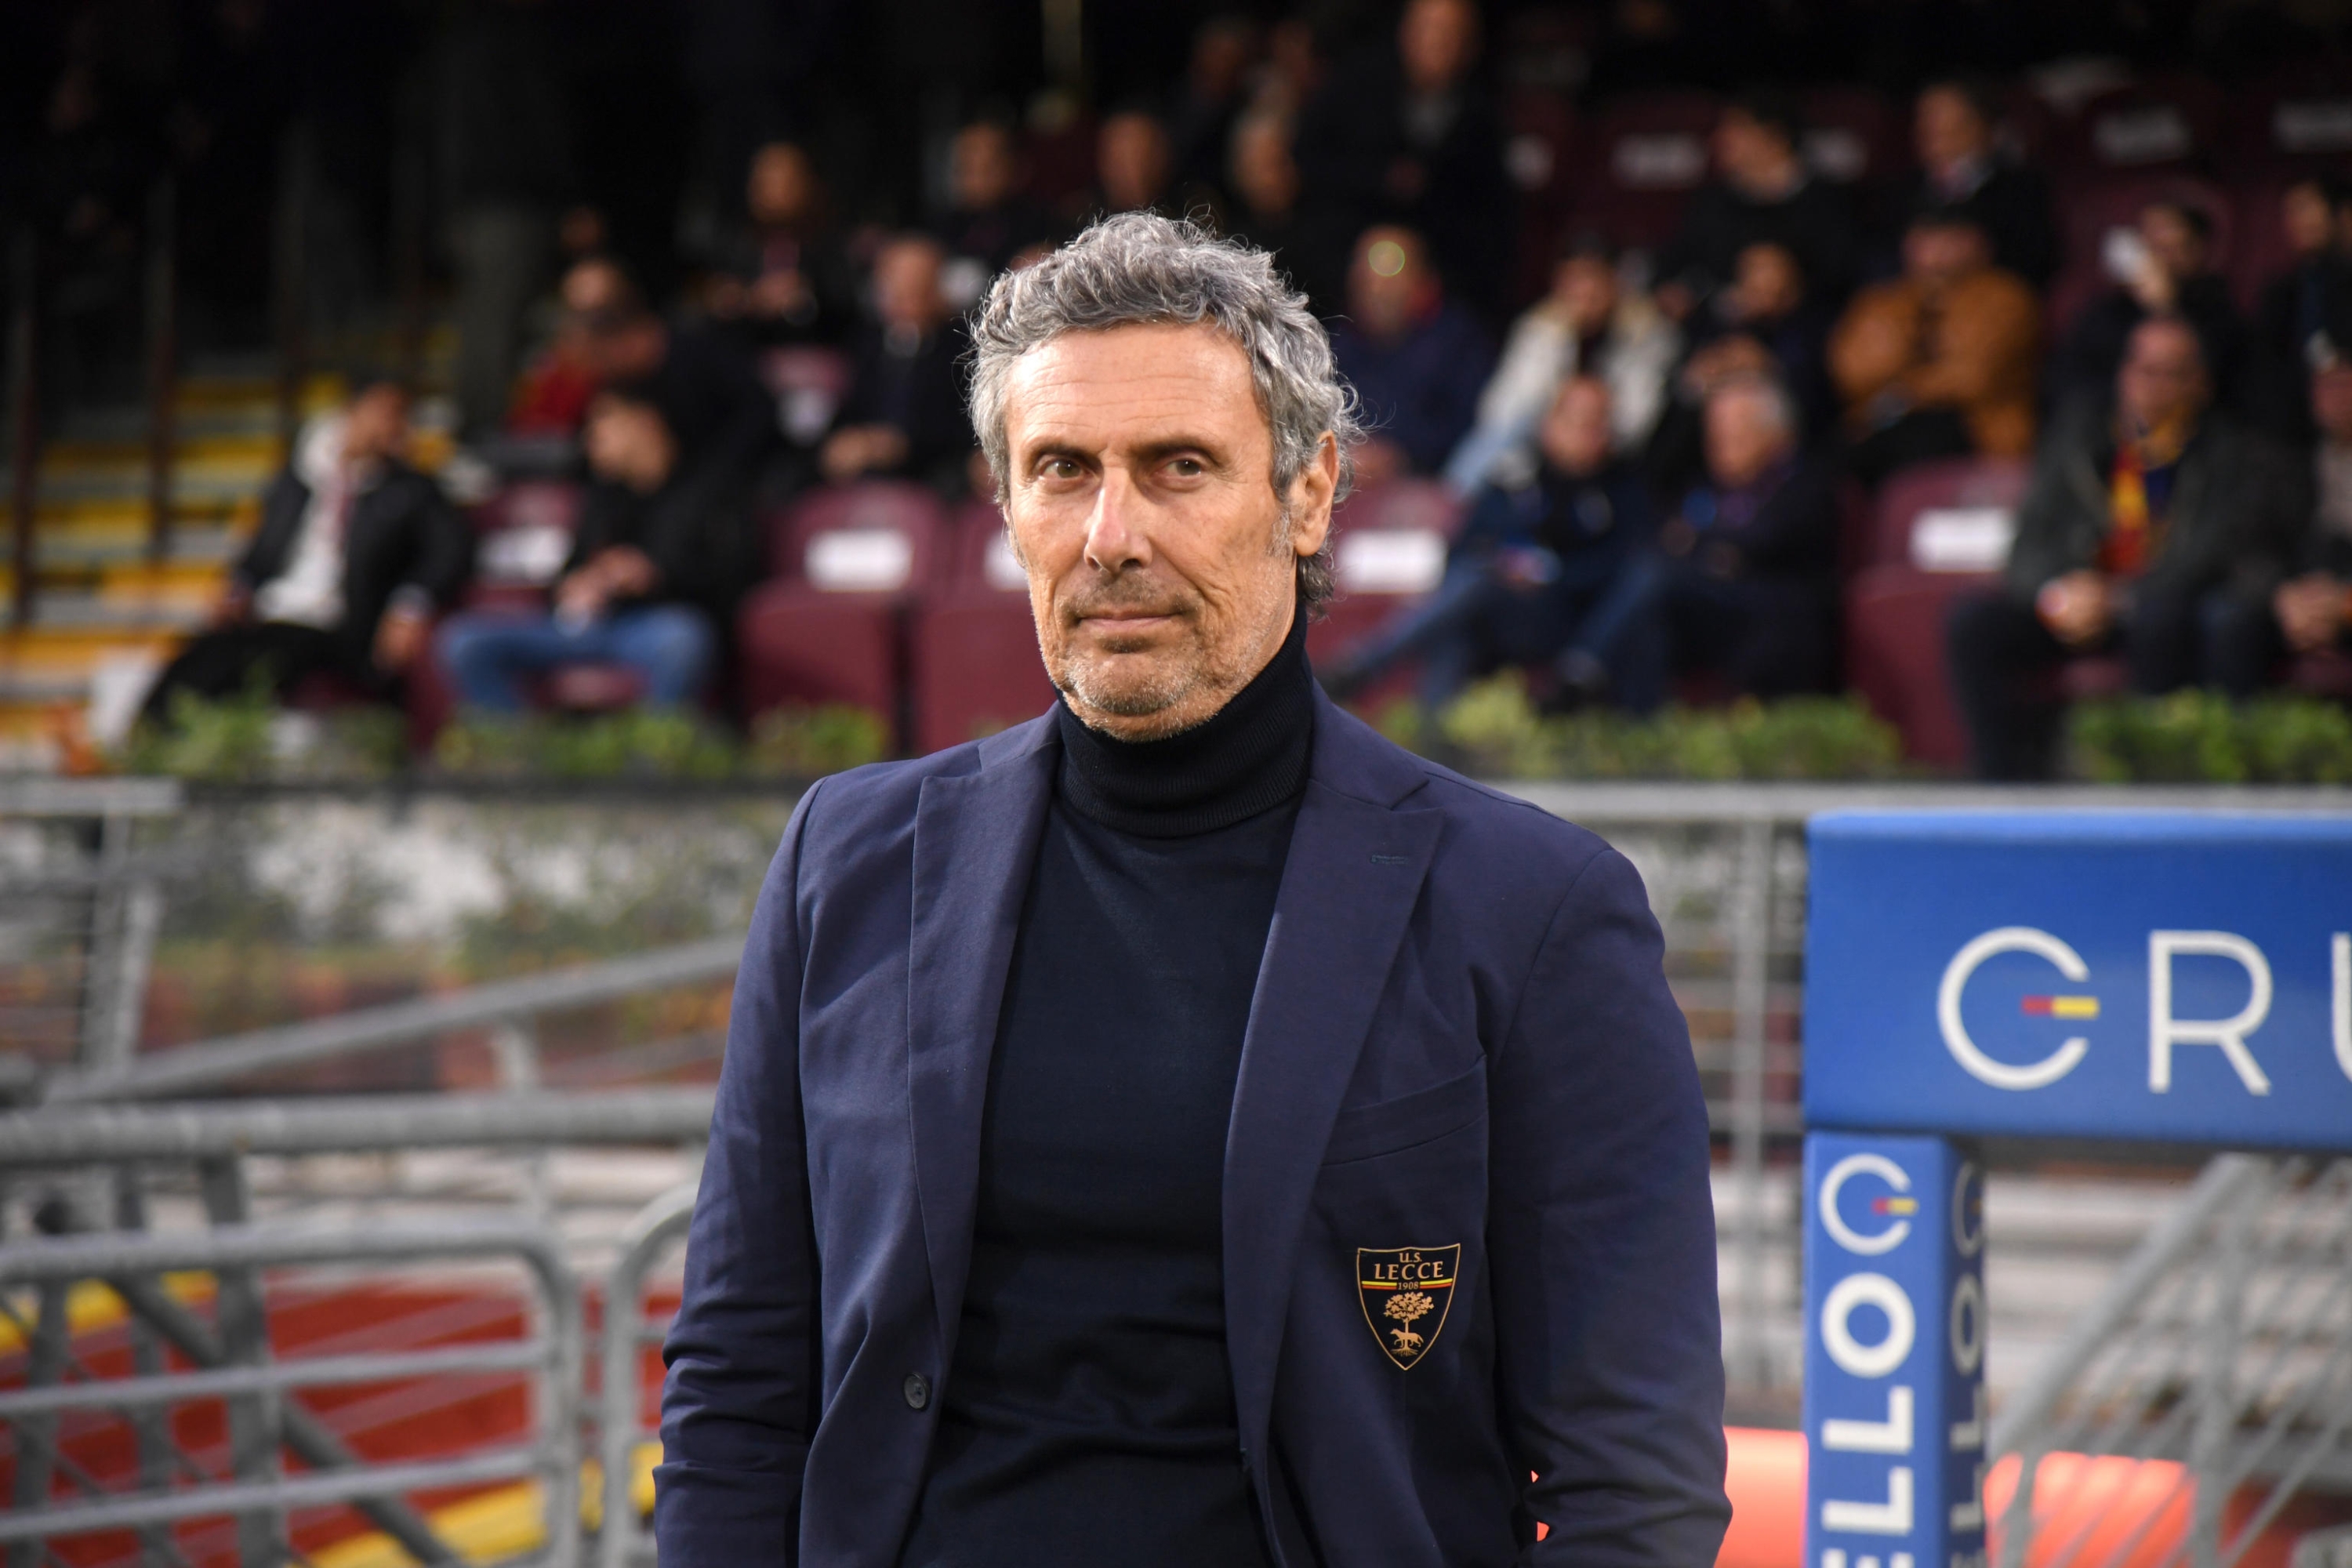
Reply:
x=976, y=838
x=1354, y=874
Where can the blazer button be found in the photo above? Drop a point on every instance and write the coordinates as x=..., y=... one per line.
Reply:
x=917, y=1391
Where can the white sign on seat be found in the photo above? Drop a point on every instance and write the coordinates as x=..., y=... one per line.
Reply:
x=1391, y=559
x=860, y=561
x=532, y=555
x=1658, y=160
x=1962, y=538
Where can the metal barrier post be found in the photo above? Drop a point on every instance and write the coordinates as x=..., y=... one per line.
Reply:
x=243, y=1317
x=1751, y=993
x=36, y=1434
x=657, y=1225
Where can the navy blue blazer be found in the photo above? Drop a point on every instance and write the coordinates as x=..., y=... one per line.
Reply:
x=1461, y=1039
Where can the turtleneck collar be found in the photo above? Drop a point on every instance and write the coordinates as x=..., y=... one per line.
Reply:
x=1250, y=757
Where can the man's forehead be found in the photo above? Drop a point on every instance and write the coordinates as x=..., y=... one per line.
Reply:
x=1146, y=383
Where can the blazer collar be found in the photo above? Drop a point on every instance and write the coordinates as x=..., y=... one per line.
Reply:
x=1359, y=855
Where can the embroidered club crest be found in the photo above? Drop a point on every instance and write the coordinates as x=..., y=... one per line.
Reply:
x=1406, y=1291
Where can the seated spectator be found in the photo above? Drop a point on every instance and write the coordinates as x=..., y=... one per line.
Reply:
x=784, y=278
x=1210, y=98
x=553, y=394
x=1940, y=361
x=988, y=223
x=904, y=414
x=2141, y=509
x=1952, y=129
x=1552, y=573
x=2162, y=268
x=705, y=385
x=1416, y=358
x=356, y=553
x=1409, y=135
x=1763, y=193
x=1590, y=324
x=651, y=584
x=2312, y=608
x=1134, y=168
x=2304, y=314
x=1748, y=592
x=1265, y=209
x=1768, y=324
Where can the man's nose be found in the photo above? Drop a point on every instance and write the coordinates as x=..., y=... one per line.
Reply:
x=1117, y=533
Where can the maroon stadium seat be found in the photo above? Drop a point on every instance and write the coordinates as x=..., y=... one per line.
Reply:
x=1854, y=136
x=2165, y=122
x=972, y=664
x=2089, y=211
x=1389, y=547
x=848, y=560
x=808, y=384
x=1541, y=154
x=1645, y=154
x=522, y=536
x=1896, y=606
x=2300, y=121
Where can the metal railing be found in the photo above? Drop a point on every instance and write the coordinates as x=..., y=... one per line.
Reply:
x=621, y=1425
x=2218, y=1365
x=235, y=1365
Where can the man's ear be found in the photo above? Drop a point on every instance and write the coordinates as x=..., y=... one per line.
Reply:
x=1311, y=496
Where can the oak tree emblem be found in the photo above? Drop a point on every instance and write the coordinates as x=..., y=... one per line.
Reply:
x=1406, y=1293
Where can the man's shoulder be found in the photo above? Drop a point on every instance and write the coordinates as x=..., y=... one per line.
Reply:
x=863, y=808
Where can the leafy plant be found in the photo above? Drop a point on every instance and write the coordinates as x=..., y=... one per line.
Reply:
x=2201, y=737
x=641, y=743
x=804, y=743
x=248, y=739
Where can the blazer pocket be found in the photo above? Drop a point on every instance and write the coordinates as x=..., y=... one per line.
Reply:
x=1366, y=1131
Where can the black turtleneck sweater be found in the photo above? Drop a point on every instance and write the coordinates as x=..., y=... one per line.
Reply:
x=1087, y=1416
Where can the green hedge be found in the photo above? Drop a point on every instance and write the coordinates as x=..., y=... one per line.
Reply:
x=1494, y=730
x=2199, y=737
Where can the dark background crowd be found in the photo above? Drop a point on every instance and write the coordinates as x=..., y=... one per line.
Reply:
x=1976, y=354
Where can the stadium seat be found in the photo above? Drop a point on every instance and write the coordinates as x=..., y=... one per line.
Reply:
x=1389, y=550
x=2165, y=122
x=1942, y=531
x=808, y=384
x=1646, y=153
x=1541, y=154
x=2087, y=210
x=1854, y=136
x=848, y=560
x=972, y=664
x=2298, y=123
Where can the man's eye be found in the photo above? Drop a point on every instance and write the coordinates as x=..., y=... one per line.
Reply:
x=1061, y=468
x=1187, y=468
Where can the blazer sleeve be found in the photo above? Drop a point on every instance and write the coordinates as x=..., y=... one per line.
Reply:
x=443, y=557
x=1602, y=1246
x=739, y=1405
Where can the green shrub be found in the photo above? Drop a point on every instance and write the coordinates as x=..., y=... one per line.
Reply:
x=248, y=739
x=805, y=743
x=2201, y=737
x=1494, y=729
x=635, y=743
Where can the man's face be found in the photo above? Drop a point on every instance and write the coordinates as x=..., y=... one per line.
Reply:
x=1748, y=152
x=1389, y=286
x=980, y=166
x=1942, y=252
x=1265, y=176
x=2308, y=220
x=2331, y=402
x=1575, y=433
x=1586, y=288
x=907, y=285
x=627, y=443
x=782, y=184
x=2177, y=247
x=1947, y=130
x=1765, y=282
x=377, y=425
x=1140, y=499
x=1435, y=41
x=1745, y=436
x=1131, y=161
x=2163, y=374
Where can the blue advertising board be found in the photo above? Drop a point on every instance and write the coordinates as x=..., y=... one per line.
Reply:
x=2165, y=976
x=1894, y=1343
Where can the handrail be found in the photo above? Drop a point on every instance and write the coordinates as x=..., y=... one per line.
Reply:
x=1723, y=804
x=555, y=1456
x=214, y=1064
x=655, y=1225
x=104, y=1133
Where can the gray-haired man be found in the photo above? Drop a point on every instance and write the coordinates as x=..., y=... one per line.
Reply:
x=1187, y=1130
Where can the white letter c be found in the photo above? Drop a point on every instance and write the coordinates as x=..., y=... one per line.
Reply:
x=1980, y=1066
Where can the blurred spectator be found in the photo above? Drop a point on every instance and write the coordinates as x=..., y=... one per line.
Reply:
x=1765, y=324
x=904, y=414
x=2164, y=267
x=656, y=568
x=1960, y=166
x=2312, y=608
x=1762, y=194
x=1291, y=71
x=1410, y=136
x=2141, y=511
x=1134, y=170
x=1551, y=573
x=1416, y=360
x=988, y=223
x=1590, y=324
x=784, y=278
x=2304, y=316
x=356, y=553
x=506, y=155
x=1749, y=594
x=552, y=396
x=1266, y=210
x=1940, y=361
x=710, y=395
x=1210, y=99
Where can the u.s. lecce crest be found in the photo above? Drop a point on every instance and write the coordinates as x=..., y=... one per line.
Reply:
x=1406, y=1291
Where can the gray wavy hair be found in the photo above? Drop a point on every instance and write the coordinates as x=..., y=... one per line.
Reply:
x=1140, y=269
